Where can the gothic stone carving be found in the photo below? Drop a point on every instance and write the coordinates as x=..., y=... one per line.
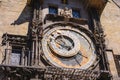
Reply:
x=66, y=12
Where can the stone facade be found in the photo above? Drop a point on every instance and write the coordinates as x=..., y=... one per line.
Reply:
x=15, y=17
x=110, y=21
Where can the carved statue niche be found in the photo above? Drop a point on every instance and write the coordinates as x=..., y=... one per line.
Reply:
x=67, y=13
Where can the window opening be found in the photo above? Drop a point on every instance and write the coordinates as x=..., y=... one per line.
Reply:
x=76, y=13
x=53, y=10
x=117, y=62
x=15, y=55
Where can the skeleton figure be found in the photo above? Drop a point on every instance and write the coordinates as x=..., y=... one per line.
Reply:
x=66, y=12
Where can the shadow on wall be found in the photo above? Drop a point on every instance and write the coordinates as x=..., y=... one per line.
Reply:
x=0, y=3
x=25, y=16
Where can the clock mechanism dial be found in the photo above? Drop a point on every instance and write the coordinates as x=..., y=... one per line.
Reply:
x=68, y=47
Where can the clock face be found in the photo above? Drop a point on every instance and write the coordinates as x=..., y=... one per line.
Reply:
x=69, y=47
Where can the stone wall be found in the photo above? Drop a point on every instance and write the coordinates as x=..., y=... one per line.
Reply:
x=110, y=20
x=14, y=18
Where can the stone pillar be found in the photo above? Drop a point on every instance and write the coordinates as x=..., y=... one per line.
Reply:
x=7, y=53
x=33, y=52
x=23, y=56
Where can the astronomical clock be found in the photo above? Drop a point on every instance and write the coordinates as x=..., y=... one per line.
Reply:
x=65, y=41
